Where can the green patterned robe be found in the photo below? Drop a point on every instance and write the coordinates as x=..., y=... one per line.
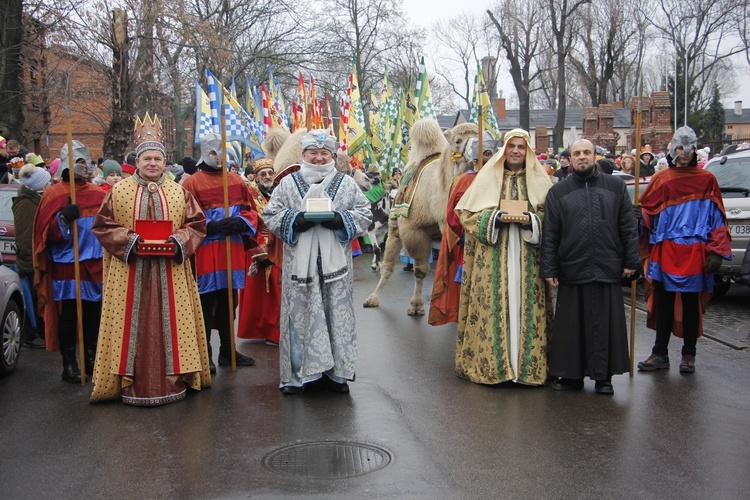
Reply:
x=483, y=345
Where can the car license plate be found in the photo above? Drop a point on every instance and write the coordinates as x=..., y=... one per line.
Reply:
x=739, y=229
x=8, y=246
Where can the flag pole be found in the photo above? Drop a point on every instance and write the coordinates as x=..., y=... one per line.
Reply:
x=74, y=228
x=225, y=179
x=480, y=156
x=634, y=283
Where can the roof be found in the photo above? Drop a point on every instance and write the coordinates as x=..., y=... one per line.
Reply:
x=573, y=118
x=537, y=117
x=731, y=119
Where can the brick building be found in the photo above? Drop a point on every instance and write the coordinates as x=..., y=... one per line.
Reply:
x=656, y=120
x=44, y=75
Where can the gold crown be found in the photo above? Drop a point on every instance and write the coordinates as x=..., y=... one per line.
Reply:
x=147, y=130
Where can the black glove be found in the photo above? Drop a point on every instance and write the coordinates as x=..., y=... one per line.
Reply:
x=528, y=225
x=498, y=219
x=71, y=212
x=336, y=223
x=637, y=211
x=712, y=264
x=265, y=263
x=233, y=225
x=213, y=227
x=300, y=224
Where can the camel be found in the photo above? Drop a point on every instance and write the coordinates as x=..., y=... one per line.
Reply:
x=427, y=211
x=275, y=138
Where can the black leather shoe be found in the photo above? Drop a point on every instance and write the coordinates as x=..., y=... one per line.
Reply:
x=35, y=343
x=567, y=384
x=341, y=388
x=240, y=359
x=292, y=389
x=71, y=374
x=604, y=387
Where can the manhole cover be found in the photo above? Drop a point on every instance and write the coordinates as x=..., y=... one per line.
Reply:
x=327, y=460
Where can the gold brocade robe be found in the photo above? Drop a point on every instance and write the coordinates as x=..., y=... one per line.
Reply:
x=483, y=344
x=152, y=327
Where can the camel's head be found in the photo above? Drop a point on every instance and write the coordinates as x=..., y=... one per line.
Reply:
x=458, y=137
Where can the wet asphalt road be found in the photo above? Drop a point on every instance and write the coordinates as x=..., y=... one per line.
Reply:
x=662, y=435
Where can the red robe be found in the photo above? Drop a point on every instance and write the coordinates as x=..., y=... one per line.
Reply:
x=260, y=300
x=446, y=291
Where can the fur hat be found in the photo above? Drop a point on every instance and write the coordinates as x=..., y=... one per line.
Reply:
x=111, y=167
x=319, y=139
x=34, y=178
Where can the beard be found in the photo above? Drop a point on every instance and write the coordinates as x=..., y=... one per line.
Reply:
x=586, y=172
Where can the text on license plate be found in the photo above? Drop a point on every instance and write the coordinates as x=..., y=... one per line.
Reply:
x=8, y=246
x=739, y=229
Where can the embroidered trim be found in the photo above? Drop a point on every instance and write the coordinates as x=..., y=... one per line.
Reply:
x=129, y=400
x=351, y=227
x=333, y=187
x=302, y=185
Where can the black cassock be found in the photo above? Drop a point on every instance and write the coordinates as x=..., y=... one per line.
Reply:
x=590, y=335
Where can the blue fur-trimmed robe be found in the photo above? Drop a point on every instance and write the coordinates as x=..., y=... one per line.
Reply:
x=318, y=331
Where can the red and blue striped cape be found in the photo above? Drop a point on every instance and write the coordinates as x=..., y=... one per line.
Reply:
x=211, y=257
x=683, y=221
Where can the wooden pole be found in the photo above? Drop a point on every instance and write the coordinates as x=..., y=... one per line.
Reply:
x=74, y=228
x=480, y=158
x=225, y=179
x=634, y=283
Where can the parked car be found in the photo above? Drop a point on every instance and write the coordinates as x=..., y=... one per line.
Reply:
x=12, y=314
x=630, y=183
x=7, y=228
x=732, y=170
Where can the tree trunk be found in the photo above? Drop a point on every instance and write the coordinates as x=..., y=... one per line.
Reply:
x=117, y=138
x=562, y=88
x=11, y=100
x=179, y=115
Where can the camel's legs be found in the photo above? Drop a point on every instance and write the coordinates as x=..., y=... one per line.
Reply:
x=392, y=249
x=419, y=246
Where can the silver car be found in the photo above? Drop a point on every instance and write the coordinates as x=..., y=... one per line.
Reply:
x=733, y=173
x=11, y=312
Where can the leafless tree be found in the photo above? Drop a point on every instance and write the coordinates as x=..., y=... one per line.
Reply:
x=606, y=40
x=520, y=34
x=699, y=32
x=459, y=45
x=373, y=33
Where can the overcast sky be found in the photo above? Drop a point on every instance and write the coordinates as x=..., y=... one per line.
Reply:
x=427, y=12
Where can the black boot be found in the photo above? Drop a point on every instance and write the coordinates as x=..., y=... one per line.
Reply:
x=90, y=358
x=70, y=372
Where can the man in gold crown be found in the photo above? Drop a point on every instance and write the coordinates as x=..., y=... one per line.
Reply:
x=152, y=337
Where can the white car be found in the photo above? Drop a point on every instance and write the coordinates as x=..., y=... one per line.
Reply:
x=11, y=312
x=733, y=173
